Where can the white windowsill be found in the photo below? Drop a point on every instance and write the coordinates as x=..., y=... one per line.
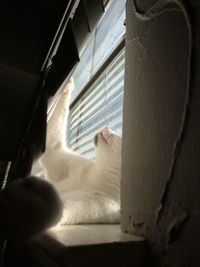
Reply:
x=75, y=235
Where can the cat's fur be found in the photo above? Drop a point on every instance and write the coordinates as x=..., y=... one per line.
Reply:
x=90, y=189
x=27, y=207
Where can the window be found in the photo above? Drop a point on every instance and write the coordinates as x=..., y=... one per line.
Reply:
x=97, y=100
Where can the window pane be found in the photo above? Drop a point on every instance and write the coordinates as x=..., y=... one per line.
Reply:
x=103, y=40
x=99, y=107
x=84, y=68
x=109, y=31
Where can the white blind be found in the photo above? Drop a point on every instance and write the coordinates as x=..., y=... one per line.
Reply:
x=101, y=43
x=101, y=106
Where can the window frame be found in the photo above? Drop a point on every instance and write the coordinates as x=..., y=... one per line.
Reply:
x=110, y=58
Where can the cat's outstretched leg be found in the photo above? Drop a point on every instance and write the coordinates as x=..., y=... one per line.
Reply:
x=57, y=134
x=57, y=124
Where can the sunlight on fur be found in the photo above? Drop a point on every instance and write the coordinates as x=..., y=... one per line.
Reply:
x=89, y=189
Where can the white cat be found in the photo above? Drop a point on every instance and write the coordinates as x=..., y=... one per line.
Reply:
x=90, y=189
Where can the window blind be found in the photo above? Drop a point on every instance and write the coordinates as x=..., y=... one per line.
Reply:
x=100, y=106
x=100, y=45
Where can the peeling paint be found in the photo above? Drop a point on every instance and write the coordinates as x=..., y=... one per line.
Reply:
x=138, y=225
x=174, y=220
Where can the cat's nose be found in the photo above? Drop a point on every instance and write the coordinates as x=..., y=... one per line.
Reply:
x=107, y=131
x=107, y=134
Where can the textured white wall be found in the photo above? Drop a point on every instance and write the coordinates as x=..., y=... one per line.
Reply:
x=160, y=167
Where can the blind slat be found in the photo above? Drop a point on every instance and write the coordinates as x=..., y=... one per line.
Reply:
x=101, y=106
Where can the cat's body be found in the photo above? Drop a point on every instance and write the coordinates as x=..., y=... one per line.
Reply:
x=90, y=189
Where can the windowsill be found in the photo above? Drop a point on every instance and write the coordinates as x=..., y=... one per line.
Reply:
x=90, y=234
x=90, y=245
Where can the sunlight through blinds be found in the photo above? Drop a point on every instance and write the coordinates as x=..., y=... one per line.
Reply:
x=101, y=106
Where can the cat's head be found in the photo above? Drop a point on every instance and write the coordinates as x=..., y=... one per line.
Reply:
x=108, y=147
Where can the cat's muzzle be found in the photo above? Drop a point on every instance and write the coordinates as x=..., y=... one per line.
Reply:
x=105, y=134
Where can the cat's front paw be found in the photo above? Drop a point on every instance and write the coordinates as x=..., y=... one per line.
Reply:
x=69, y=87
